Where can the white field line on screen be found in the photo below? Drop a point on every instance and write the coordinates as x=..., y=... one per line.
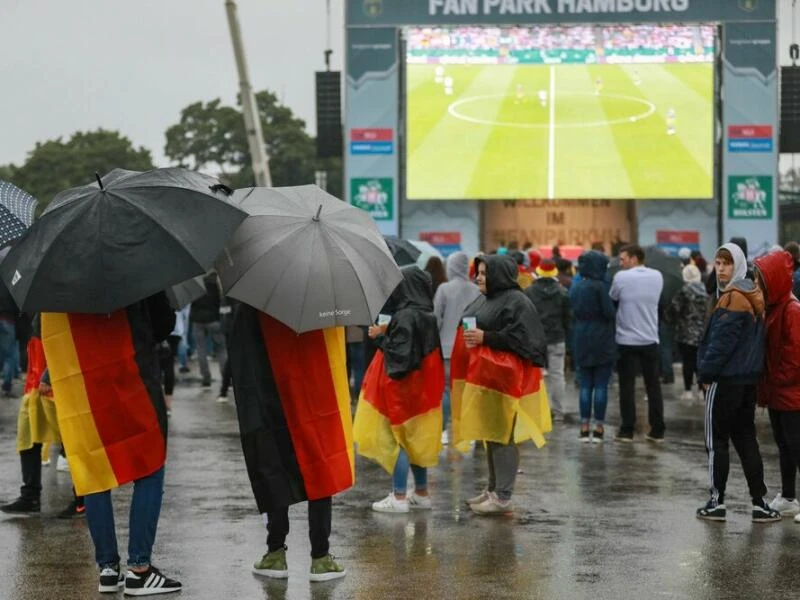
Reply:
x=551, y=159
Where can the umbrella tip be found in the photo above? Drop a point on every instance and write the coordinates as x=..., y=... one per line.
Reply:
x=319, y=210
x=99, y=181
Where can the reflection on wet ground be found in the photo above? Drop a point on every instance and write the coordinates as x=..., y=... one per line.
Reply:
x=593, y=521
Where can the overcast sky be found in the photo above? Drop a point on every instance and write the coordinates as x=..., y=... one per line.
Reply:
x=131, y=65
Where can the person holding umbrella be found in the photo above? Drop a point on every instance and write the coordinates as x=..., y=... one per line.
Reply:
x=303, y=266
x=104, y=312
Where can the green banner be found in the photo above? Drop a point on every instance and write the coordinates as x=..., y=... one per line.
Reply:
x=750, y=197
x=374, y=195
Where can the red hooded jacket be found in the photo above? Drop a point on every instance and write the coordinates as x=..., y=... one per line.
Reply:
x=780, y=385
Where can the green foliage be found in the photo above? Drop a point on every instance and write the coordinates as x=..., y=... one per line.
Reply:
x=211, y=136
x=55, y=165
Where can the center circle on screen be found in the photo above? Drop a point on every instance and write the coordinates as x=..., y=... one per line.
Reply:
x=644, y=110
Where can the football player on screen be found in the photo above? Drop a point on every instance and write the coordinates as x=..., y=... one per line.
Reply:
x=672, y=119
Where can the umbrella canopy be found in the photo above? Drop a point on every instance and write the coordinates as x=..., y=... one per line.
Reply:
x=307, y=259
x=186, y=292
x=404, y=252
x=106, y=245
x=16, y=212
x=670, y=267
x=427, y=251
x=7, y=303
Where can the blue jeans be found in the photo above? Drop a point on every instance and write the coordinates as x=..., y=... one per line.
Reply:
x=11, y=367
x=446, y=395
x=594, y=382
x=144, y=513
x=183, y=354
x=400, y=477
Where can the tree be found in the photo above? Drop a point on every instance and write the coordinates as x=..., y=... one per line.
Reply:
x=55, y=165
x=212, y=136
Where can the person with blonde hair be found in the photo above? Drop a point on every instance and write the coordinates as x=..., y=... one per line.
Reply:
x=688, y=312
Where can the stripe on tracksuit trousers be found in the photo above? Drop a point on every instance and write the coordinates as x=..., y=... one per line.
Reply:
x=730, y=416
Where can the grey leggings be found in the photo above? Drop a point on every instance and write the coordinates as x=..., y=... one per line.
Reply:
x=503, y=465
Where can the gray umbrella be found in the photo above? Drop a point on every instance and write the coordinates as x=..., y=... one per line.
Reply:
x=307, y=259
x=186, y=292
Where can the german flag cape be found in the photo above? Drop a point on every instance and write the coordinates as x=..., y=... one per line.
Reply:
x=293, y=402
x=400, y=404
x=107, y=388
x=36, y=422
x=495, y=394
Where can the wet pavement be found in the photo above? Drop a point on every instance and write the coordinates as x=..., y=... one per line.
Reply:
x=593, y=521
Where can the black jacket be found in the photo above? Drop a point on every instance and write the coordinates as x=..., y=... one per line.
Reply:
x=551, y=300
x=506, y=315
x=413, y=332
x=206, y=309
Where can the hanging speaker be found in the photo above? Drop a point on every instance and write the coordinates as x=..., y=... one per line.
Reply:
x=329, y=114
x=790, y=110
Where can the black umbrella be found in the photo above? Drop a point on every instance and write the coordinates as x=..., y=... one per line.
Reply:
x=7, y=303
x=671, y=269
x=307, y=259
x=16, y=212
x=103, y=246
x=403, y=251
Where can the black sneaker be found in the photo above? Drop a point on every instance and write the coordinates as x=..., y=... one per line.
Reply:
x=75, y=510
x=584, y=436
x=764, y=514
x=184, y=370
x=626, y=438
x=713, y=512
x=597, y=436
x=111, y=579
x=149, y=583
x=22, y=507
x=656, y=439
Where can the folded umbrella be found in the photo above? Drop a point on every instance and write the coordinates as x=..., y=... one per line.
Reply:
x=103, y=246
x=307, y=259
x=404, y=252
x=16, y=212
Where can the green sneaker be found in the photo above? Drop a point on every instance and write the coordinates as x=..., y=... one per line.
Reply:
x=325, y=569
x=272, y=564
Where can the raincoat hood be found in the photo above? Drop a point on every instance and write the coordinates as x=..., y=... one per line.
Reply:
x=501, y=274
x=548, y=286
x=593, y=265
x=458, y=266
x=751, y=292
x=415, y=291
x=739, y=262
x=776, y=274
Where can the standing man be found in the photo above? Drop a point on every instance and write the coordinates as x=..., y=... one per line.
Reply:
x=637, y=290
x=206, y=325
x=730, y=362
x=552, y=303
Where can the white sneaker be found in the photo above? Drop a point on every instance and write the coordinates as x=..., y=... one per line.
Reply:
x=46, y=462
x=482, y=497
x=445, y=438
x=418, y=502
x=222, y=399
x=391, y=504
x=493, y=506
x=797, y=518
x=687, y=396
x=62, y=464
x=787, y=508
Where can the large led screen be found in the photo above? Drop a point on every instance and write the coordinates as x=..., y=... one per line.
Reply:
x=560, y=112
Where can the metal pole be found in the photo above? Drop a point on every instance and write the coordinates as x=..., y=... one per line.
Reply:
x=252, y=122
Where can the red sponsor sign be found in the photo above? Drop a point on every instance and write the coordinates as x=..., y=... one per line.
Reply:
x=672, y=236
x=441, y=238
x=372, y=135
x=748, y=132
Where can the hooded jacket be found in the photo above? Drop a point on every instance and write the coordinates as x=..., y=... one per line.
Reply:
x=732, y=348
x=506, y=315
x=594, y=312
x=780, y=386
x=688, y=311
x=552, y=303
x=452, y=298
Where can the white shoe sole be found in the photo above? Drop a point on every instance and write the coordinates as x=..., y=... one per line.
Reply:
x=110, y=589
x=271, y=573
x=151, y=591
x=420, y=507
x=327, y=576
x=389, y=511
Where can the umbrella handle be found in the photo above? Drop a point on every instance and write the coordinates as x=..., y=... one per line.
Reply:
x=99, y=181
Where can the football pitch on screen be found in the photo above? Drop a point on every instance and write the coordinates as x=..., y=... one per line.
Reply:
x=571, y=131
